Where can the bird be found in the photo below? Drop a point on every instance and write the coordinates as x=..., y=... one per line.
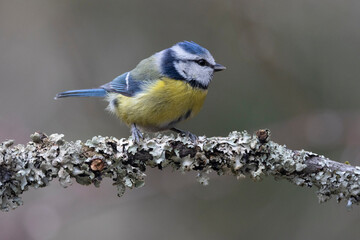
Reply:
x=162, y=90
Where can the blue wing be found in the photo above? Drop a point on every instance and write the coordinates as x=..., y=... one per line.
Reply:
x=124, y=84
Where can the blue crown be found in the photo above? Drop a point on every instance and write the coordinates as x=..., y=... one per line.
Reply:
x=192, y=47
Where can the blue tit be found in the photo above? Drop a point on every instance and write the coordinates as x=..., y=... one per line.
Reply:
x=161, y=91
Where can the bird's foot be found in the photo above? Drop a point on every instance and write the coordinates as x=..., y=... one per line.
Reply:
x=188, y=134
x=136, y=134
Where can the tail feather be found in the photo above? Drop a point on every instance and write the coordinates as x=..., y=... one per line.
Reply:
x=96, y=92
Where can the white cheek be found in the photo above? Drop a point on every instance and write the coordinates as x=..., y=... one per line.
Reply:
x=201, y=74
x=183, y=69
x=192, y=71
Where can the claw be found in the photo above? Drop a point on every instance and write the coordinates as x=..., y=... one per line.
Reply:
x=188, y=134
x=192, y=137
x=136, y=134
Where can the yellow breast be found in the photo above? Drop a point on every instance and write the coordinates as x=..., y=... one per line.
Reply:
x=161, y=105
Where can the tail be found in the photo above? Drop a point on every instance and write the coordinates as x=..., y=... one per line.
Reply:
x=96, y=92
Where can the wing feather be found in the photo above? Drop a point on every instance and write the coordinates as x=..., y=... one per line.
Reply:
x=133, y=82
x=124, y=84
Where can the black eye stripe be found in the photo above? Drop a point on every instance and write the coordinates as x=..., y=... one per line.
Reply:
x=203, y=62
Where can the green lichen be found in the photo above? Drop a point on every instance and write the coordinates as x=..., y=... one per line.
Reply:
x=240, y=154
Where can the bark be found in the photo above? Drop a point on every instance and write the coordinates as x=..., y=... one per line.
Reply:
x=240, y=154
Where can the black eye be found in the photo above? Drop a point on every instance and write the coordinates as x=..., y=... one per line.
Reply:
x=201, y=62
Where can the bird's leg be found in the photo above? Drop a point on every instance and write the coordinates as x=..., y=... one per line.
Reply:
x=188, y=134
x=136, y=134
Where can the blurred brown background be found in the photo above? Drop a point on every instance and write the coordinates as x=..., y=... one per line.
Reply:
x=292, y=66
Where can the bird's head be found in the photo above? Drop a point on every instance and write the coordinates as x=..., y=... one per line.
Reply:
x=190, y=62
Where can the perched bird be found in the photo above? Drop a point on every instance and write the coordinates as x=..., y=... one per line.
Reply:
x=162, y=90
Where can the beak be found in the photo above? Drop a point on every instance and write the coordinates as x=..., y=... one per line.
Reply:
x=219, y=67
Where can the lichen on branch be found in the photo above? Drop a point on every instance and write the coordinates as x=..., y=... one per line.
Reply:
x=240, y=154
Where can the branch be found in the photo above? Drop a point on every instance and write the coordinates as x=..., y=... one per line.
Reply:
x=240, y=154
